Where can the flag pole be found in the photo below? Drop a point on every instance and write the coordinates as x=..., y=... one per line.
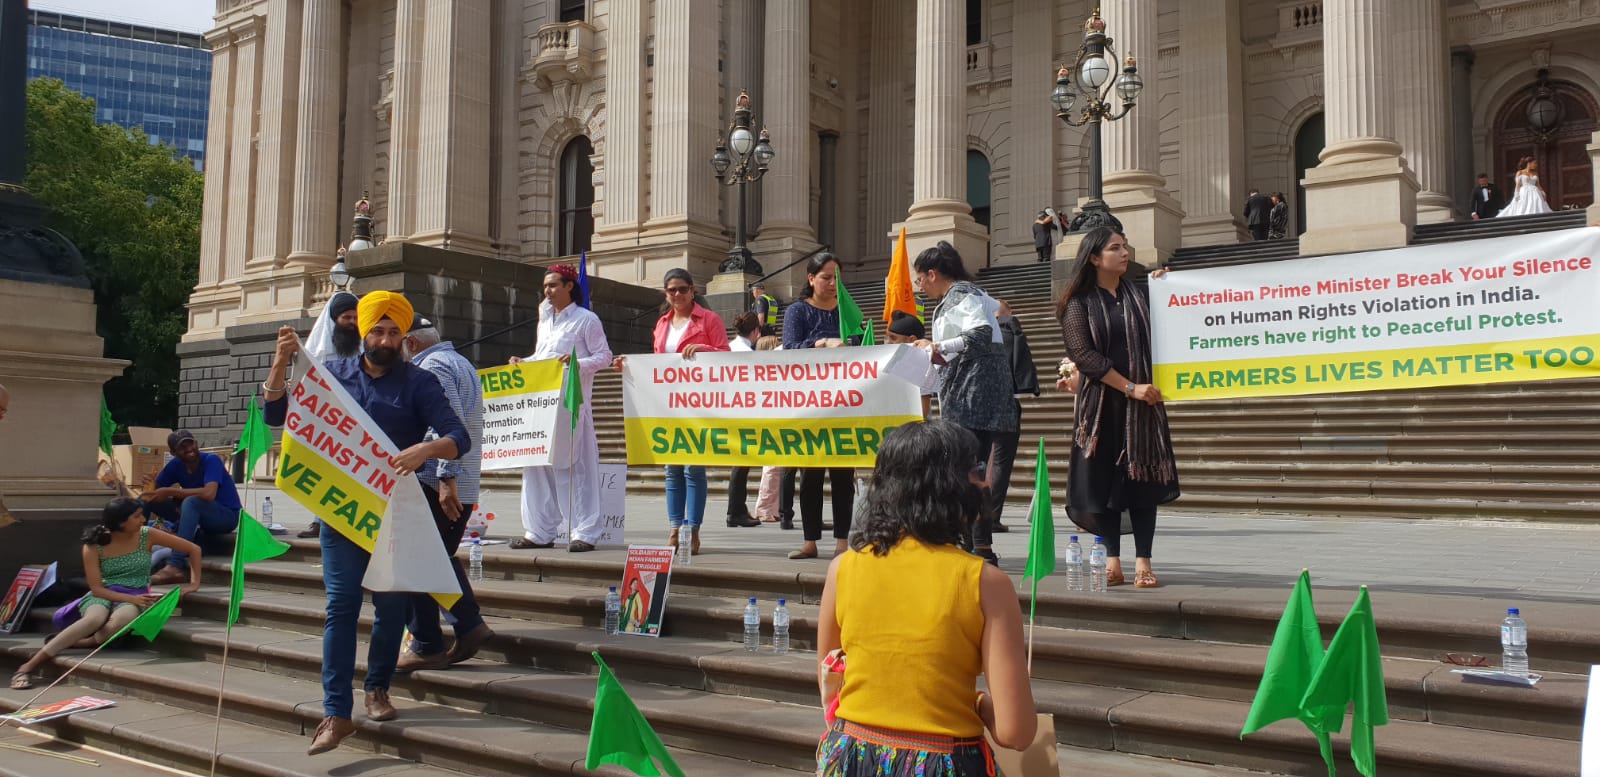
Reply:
x=222, y=682
x=64, y=675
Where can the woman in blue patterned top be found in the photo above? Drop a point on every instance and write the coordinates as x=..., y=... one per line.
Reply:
x=813, y=322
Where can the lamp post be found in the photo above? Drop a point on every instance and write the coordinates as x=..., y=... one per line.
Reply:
x=360, y=240
x=748, y=161
x=1090, y=77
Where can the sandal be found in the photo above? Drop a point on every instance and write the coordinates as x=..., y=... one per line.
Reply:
x=1114, y=578
x=799, y=554
x=1146, y=579
x=21, y=681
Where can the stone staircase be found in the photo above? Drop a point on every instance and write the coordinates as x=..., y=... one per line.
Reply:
x=1426, y=234
x=1134, y=680
x=1525, y=451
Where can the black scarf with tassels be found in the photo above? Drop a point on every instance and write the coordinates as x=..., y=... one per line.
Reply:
x=1148, y=450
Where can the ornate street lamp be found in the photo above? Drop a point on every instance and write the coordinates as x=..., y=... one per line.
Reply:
x=743, y=159
x=360, y=240
x=1089, y=77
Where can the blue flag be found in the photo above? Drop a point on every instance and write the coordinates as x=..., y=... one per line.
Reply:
x=583, y=277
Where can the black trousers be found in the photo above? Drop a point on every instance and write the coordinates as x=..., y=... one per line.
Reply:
x=1144, y=532
x=844, y=497
x=738, y=492
x=1002, y=456
x=1259, y=231
x=786, y=493
x=423, y=612
x=1046, y=253
x=983, y=527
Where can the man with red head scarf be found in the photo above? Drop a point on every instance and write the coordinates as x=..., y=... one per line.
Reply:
x=569, y=488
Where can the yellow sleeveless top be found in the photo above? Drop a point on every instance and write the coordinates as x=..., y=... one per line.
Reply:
x=911, y=625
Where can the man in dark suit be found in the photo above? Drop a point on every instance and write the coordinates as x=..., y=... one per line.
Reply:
x=1257, y=214
x=1486, y=200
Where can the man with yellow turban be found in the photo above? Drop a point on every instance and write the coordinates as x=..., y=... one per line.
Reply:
x=404, y=401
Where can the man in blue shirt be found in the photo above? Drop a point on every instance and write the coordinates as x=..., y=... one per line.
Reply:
x=195, y=492
x=405, y=402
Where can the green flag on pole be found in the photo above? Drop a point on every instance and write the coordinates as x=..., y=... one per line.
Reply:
x=620, y=735
x=1352, y=672
x=149, y=622
x=1042, y=535
x=572, y=398
x=251, y=543
x=108, y=427
x=850, y=319
x=1295, y=654
x=866, y=335
x=256, y=439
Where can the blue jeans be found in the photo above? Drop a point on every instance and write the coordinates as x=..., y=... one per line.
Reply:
x=686, y=487
x=423, y=612
x=201, y=522
x=344, y=564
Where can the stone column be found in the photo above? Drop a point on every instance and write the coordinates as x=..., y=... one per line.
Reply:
x=1422, y=78
x=275, y=148
x=1593, y=214
x=316, y=171
x=939, y=208
x=453, y=141
x=241, y=158
x=746, y=32
x=1033, y=122
x=784, y=106
x=214, y=213
x=1211, y=103
x=1462, y=179
x=405, y=120
x=1363, y=195
x=1134, y=188
x=827, y=186
x=886, y=125
x=684, y=121
x=619, y=209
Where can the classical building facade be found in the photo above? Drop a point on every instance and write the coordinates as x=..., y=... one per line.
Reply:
x=533, y=129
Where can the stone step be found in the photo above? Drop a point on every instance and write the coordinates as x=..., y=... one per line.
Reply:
x=32, y=752
x=704, y=653
x=180, y=738
x=451, y=731
x=1426, y=234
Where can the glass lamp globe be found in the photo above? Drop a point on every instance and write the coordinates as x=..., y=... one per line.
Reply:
x=1129, y=84
x=720, y=160
x=1544, y=114
x=340, y=275
x=764, y=153
x=1063, y=97
x=742, y=140
x=1094, y=72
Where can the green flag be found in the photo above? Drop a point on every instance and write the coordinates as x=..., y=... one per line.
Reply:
x=620, y=735
x=850, y=320
x=149, y=622
x=256, y=439
x=251, y=543
x=1352, y=673
x=866, y=336
x=108, y=427
x=572, y=398
x=1295, y=654
x=1042, y=535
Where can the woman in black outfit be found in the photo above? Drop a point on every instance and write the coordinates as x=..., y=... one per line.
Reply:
x=813, y=322
x=1121, y=447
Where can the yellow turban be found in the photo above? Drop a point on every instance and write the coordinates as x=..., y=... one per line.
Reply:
x=376, y=306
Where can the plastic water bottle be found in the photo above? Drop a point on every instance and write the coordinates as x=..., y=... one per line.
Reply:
x=1097, y=566
x=1514, y=644
x=266, y=510
x=613, y=611
x=685, y=551
x=752, y=627
x=780, y=628
x=475, y=560
x=1075, y=565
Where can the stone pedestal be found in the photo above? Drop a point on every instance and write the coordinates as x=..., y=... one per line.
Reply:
x=1152, y=221
x=728, y=294
x=1359, y=206
x=775, y=252
x=969, y=237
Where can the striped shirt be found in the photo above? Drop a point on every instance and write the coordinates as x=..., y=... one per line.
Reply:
x=461, y=387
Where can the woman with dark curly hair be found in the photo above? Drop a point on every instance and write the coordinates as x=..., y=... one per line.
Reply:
x=919, y=619
x=1121, y=447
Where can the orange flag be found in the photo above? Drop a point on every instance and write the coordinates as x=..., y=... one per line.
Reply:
x=897, y=288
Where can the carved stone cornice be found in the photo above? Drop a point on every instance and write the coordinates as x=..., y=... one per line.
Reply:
x=1492, y=21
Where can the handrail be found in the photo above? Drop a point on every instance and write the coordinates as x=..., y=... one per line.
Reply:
x=497, y=333
x=806, y=258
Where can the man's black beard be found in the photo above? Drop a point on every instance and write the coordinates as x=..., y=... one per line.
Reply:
x=346, y=341
x=383, y=357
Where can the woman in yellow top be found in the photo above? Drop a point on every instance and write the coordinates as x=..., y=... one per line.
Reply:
x=919, y=619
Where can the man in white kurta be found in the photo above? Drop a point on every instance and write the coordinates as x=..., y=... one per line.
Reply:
x=570, y=486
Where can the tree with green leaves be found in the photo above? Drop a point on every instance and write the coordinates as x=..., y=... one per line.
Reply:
x=133, y=209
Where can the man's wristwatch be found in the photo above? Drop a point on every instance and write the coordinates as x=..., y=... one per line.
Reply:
x=1129, y=389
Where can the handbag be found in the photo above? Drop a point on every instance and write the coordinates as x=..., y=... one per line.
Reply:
x=1038, y=759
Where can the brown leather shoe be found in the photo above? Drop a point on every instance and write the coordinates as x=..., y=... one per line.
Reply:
x=411, y=661
x=378, y=706
x=330, y=732
x=169, y=575
x=467, y=646
x=311, y=532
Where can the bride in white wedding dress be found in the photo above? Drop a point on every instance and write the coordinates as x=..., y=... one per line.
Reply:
x=1529, y=198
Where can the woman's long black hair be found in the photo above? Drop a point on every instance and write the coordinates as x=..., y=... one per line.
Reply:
x=944, y=259
x=112, y=517
x=815, y=266
x=1083, y=271
x=921, y=488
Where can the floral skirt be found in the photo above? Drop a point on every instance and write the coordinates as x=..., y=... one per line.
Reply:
x=851, y=750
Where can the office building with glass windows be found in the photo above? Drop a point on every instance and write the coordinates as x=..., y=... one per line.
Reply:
x=152, y=79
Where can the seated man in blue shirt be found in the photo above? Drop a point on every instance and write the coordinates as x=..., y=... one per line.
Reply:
x=404, y=401
x=195, y=492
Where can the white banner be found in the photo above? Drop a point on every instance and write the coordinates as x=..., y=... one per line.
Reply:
x=521, y=403
x=1481, y=311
